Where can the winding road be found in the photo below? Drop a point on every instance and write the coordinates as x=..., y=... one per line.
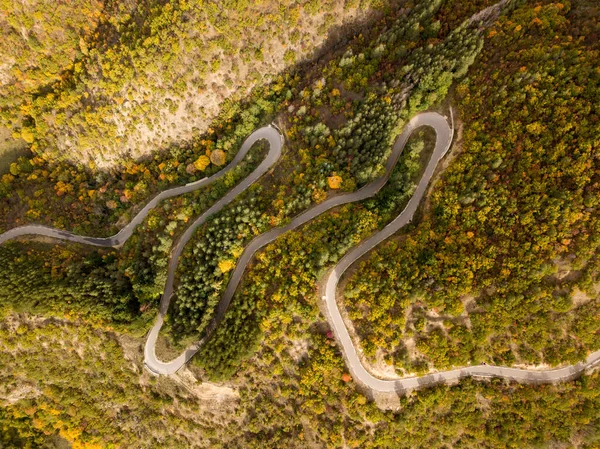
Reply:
x=444, y=135
x=268, y=132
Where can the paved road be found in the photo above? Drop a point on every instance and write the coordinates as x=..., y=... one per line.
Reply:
x=269, y=133
x=275, y=140
x=432, y=119
x=444, y=138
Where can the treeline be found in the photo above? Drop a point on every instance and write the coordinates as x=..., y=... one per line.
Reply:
x=206, y=264
x=90, y=284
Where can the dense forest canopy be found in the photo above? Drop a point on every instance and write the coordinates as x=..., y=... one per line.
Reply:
x=112, y=102
x=503, y=268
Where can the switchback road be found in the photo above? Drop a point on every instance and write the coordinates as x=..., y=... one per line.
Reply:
x=444, y=135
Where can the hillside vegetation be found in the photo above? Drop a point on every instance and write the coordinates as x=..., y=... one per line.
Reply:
x=99, y=81
x=504, y=266
x=67, y=383
x=500, y=265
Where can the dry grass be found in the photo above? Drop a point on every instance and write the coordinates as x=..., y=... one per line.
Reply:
x=217, y=56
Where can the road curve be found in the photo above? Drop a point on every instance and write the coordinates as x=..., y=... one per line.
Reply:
x=269, y=133
x=432, y=119
x=444, y=134
x=443, y=141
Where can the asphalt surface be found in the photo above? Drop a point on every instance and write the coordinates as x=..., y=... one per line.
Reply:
x=444, y=134
x=275, y=139
x=269, y=133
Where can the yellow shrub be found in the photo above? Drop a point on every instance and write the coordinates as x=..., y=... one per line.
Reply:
x=334, y=182
x=226, y=265
x=201, y=163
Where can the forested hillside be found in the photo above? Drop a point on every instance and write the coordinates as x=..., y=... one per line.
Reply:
x=63, y=382
x=319, y=112
x=499, y=266
x=331, y=157
x=504, y=266
x=103, y=81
